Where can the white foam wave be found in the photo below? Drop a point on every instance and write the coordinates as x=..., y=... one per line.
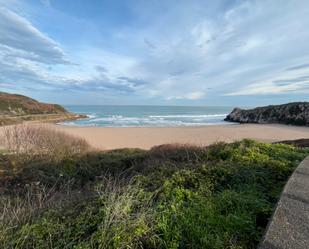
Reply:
x=91, y=116
x=188, y=116
x=150, y=120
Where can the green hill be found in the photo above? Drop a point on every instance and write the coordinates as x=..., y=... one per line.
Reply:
x=14, y=104
x=15, y=109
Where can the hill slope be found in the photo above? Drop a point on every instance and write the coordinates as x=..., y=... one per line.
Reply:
x=15, y=108
x=292, y=113
x=170, y=197
x=14, y=104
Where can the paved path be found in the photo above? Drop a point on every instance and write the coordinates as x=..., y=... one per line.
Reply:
x=289, y=227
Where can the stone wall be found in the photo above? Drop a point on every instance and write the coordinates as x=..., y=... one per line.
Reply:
x=289, y=225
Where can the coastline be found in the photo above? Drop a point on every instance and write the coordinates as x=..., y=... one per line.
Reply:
x=39, y=118
x=108, y=138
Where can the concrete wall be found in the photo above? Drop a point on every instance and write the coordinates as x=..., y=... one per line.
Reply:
x=289, y=226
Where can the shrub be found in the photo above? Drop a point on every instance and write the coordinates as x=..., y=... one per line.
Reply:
x=221, y=196
x=40, y=139
x=22, y=210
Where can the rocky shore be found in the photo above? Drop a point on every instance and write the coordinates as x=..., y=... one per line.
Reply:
x=292, y=113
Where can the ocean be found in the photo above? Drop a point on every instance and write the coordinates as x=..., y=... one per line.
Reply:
x=149, y=116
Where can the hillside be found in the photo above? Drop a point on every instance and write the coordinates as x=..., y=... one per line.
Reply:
x=173, y=196
x=14, y=104
x=292, y=113
x=15, y=108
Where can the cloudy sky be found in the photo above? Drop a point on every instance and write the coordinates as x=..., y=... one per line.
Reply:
x=182, y=52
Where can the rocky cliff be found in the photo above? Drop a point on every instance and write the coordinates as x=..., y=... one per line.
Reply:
x=292, y=113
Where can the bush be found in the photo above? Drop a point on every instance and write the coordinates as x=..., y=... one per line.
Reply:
x=40, y=139
x=221, y=196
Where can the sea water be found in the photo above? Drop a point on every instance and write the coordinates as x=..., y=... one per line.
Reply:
x=149, y=116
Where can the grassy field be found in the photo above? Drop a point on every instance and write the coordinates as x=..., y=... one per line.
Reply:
x=173, y=196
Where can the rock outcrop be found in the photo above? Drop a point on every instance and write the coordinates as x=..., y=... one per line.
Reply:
x=292, y=113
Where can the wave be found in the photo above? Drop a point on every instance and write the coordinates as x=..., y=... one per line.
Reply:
x=150, y=120
x=91, y=116
x=188, y=116
x=114, y=118
x=156, y=117
x=75, y=123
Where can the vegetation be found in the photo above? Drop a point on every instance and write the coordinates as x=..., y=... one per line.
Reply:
x=39, y=139
x=15, y=104
x=173, y=196
x=304, y=142
x=15, y=109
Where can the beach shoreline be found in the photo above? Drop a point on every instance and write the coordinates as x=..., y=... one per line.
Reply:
x=108, y=138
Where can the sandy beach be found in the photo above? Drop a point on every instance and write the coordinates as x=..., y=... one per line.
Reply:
x=146, y=137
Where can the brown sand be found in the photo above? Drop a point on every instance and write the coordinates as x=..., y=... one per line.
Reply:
x=146, y=137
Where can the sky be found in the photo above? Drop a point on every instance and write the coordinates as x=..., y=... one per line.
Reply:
x=156, y=52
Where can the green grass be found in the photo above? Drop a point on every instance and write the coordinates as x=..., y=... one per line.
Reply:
x=172, y=196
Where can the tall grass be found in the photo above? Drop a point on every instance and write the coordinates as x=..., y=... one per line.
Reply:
x=40, y=139
x=173, y=196
x=120, y=213
x=126, y=216
x=21, y=209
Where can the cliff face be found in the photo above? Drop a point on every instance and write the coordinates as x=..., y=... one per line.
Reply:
x=291, y=113
x=13, y=104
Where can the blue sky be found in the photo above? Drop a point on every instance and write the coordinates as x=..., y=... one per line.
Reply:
x=182, y=52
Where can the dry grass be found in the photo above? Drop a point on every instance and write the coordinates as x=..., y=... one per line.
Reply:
x=36, y=140
x=16, y=210
x=40, y=139
x=20, y=209
x=125, y=218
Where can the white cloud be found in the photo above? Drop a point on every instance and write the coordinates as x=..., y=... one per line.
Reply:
x=25, y=52
x=194, y=95
x=270, y=88
x=286, y=82
x=247, y=42
x=221, y=48
x=189, y=96
x=19, y=38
